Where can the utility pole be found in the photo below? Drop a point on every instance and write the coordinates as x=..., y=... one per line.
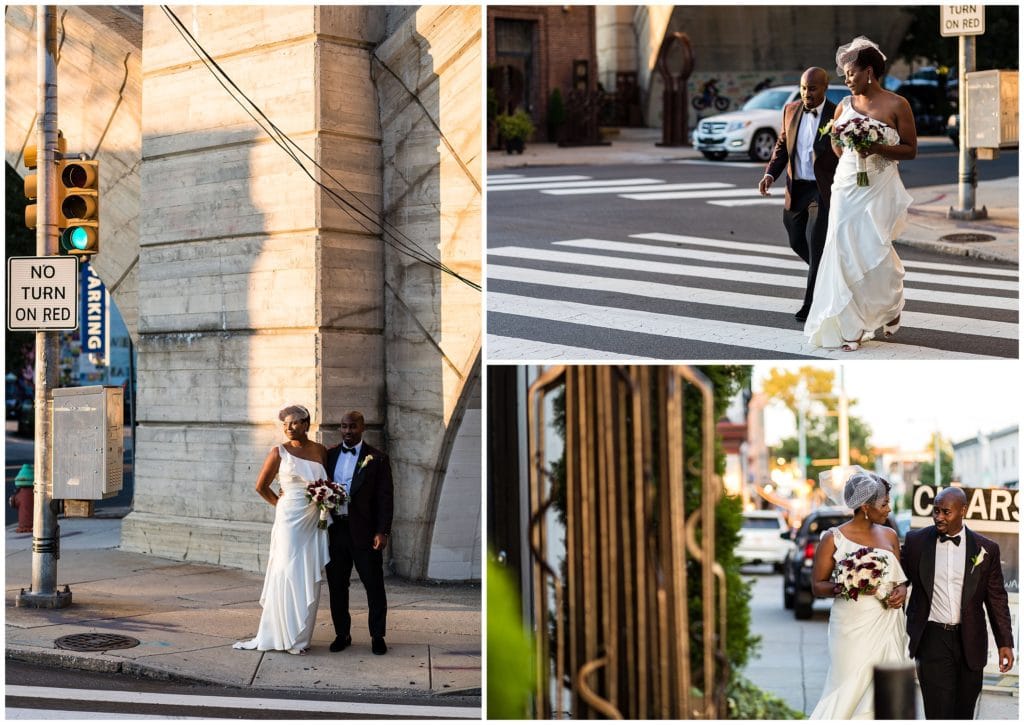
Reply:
x=844, y=423
x=45, y=533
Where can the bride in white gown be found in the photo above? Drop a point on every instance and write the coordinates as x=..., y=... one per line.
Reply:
x=860, y=281
x=866, y=631
x=298, y=548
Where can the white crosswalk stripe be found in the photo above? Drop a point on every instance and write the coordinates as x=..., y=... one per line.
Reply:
x=586, y=299
x=589, y=184
x=641, y=189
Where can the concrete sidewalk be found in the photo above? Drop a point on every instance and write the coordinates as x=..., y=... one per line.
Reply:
x=925, y=229
x=186, y=617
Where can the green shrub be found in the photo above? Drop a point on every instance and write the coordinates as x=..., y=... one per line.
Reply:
x=517, y=126
x=746, y=701
x=556, y=114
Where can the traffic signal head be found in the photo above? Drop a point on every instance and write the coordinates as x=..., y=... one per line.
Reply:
x=80, y=207
x=32, y=182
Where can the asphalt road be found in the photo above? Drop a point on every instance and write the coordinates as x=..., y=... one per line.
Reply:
x=647, y=289
x=43, y=693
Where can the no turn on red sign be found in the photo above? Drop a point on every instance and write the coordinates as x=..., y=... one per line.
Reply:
x=962, y=20
x=42, y=293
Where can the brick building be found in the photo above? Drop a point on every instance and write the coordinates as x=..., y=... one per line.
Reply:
x=532, y=50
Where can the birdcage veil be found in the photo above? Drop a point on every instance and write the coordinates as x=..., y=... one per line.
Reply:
x=293, y=409
x=850, y=51
x=851, y=486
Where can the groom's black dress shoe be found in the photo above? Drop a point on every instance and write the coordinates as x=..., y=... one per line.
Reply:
x=378, y=646
x=340, y=643
x=801, y=314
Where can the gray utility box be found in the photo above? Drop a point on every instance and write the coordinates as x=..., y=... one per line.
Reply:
x=88, y=442
x=992, y=110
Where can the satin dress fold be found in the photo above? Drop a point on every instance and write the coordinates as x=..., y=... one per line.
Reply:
x=860, y=280
x=862, y=633
x=295, y=565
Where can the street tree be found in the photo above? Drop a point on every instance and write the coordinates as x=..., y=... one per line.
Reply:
x=823, y=444
x=927, y=470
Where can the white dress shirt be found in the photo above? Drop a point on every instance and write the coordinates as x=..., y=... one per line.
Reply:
x=807, y=134
x=344, y=469
x=950, y=565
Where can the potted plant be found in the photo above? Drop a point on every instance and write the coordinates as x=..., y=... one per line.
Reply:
x=515, y=129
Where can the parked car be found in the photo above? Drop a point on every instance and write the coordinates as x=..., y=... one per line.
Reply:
x=901, y=521
x=796, y=570
x=754, y=128
x=763, y=539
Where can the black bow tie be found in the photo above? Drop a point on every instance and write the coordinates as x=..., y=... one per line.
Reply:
x=346, y=449
x=814, y=112
x=955, y=539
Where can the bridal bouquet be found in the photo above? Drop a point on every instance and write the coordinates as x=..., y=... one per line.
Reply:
x=327, y=495
x=862, y=573
x=857, y=134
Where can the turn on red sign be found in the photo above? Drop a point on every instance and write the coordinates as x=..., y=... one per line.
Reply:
x=42, y=293
x=962, y=20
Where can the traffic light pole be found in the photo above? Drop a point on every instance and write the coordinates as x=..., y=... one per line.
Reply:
x=45, y=533
x=967, y=168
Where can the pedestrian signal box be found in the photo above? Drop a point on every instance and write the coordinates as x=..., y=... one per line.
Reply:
x=88, y=442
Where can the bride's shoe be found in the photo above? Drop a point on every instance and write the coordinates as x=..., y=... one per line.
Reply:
x=297, y=651
x=850, y=345
x=890, y=328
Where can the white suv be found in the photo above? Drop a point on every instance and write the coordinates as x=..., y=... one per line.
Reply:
x=754, y=128
x=761, y=539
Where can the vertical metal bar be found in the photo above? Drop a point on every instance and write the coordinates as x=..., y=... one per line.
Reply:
x=573, y=532
x=45, y=533
x=677, y=517
x=626, y=497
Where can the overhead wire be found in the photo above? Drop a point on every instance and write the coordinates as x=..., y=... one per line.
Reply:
x=390, y=234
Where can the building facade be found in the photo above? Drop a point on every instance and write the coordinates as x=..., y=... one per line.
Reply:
x=989, y=459
x=246, y=286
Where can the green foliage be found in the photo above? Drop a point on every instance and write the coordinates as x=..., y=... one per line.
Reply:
x=823, y=443
x=927, y=472
x=19, y=241
x=745, y=701
x=556, y=114
x=997, y=48
x=492, y=105
x=517, y=126
x=509, y=649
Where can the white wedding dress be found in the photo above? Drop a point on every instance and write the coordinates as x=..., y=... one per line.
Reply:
x=295, y=566
x=860, y=281
x=861, y=634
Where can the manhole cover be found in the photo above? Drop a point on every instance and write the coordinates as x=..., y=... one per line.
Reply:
x=967, y=237
x=95, y=642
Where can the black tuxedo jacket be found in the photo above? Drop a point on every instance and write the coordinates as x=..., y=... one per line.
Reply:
x=371, y=503
x=824, y=159
x=983, y=588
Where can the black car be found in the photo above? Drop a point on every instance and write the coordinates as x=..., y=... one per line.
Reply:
x=796, y=569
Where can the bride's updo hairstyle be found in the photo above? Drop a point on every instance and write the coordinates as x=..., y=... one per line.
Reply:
x=294, y=409
x=864, y=488
x=863, y=53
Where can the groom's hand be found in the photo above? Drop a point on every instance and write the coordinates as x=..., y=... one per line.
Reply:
x=379, y=541
x=898, y=596
x=765, y=185
x=1005, y=659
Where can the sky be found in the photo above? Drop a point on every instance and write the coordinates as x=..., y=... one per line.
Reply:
x=903, y=402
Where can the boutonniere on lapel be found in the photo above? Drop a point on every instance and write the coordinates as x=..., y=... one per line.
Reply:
x=827, y=128
x=370, y=458
x=977, y=559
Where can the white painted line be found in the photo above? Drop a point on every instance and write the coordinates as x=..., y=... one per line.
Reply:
x=771, y=201
x=573, y=184
x=623, y=189
x=717, y=298
x=692, y=194
x=503, y=177
x=769, y=339
x=722, y=164
x=787, y=252
x=715, y=273
x=26, y=713
x=794, y=263
x=239, y=703
x=512, y=348
x=520, y=179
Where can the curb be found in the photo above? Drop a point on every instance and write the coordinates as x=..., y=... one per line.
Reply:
x=957, y=250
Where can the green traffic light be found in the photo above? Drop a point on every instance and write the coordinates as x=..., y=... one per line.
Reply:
x=79, y=237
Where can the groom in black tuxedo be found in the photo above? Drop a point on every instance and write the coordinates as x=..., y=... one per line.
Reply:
x=956, y=578
x=359, y=533
x=810, y=164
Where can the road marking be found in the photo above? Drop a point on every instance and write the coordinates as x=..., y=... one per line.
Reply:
x=692, y=194
x=795, y=263
x=624, y=189
x=787, y=252
x=717, y=298
x=520, y=179
x=716, y=273
x=527, y=351
x=244, y=703
x=572, y=184
x=723, y=164
x=770, y=201
x=27, y=713
x=769, y=339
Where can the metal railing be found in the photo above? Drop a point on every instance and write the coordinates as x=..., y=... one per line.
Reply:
x=613, y=621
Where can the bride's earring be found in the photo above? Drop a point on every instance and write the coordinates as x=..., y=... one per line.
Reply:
x=865, y=515
x=869, y=81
